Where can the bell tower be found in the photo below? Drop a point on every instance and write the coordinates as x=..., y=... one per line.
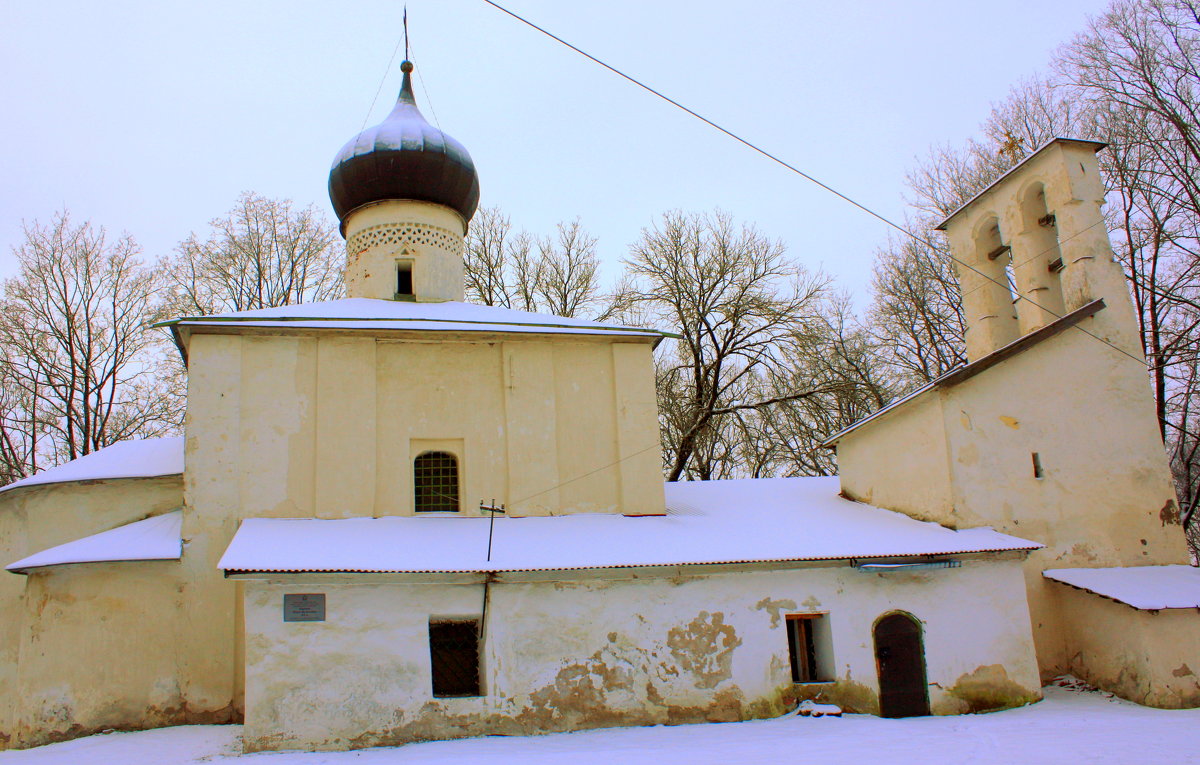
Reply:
x=1035, y=248
x=404, y=192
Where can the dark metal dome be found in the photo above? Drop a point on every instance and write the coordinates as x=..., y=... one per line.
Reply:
x=403, y=157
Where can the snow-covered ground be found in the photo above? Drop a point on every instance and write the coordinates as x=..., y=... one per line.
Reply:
x=1068, y=727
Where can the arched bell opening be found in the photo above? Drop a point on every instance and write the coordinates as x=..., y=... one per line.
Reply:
x=989, y=293
x=1038, y=262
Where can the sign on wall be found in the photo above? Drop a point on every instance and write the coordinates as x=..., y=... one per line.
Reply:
x=307, y=607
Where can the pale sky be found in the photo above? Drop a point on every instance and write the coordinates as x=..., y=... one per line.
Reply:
x=151, y=117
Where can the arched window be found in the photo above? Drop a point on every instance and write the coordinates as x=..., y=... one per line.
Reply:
x=435, y=483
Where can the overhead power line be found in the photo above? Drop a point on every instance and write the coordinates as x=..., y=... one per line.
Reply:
x=387, y=70
x=754, y=147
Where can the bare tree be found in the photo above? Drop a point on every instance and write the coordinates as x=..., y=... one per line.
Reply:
x=855, y=378
x=916, y=316
x=736, y=303
x=567, y=284
x=498, y=268
x=1144, y=56
x=22, y=428
x=78, y=362
x=1132, y=80
x=1137, y=68
x=560, y=278
x=262, y=254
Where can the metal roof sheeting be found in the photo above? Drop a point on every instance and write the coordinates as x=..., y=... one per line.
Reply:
x=713, y=522
x=1146, y=588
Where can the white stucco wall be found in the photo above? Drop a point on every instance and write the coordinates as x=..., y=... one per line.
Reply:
x=1080, y=401
x=1151, y=657
x=1105, y=497
x=638, y=649
x=35, y=518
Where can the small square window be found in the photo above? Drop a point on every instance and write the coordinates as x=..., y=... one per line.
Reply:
x=404, y=281
x=454, y=658
x=809, y=648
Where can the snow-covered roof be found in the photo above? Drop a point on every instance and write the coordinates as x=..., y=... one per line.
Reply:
x=370, y=313
x=148, y=458
x=1147, y=588
x=156, y=538
x=777, y=519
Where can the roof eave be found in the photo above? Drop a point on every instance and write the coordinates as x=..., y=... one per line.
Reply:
x=25, y=570
x=1097, y=146
x=965, y=371
x=236, y=573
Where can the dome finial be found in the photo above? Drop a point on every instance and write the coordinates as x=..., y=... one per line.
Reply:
x=406, y=91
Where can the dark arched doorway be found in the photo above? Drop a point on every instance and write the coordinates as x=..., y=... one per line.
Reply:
x=900, y=656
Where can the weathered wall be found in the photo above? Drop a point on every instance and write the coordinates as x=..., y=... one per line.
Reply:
x=899, y=461
x=563, y=655
x=306, y=426
x=35, y=518
x=1105, y=497
x=98, y=651
x=327, y=427
x=1151, y=657
x=427, y=236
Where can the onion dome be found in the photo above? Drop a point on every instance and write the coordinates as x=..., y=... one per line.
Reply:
x=403, y=157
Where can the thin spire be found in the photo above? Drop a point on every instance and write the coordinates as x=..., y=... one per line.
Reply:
x=406, y=91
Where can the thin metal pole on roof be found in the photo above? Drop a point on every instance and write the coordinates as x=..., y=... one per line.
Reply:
x=492, y=510
x=489, y=577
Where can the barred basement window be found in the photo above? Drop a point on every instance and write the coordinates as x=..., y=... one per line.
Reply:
x=435, y=480
x=454, y=658
x=809, y=648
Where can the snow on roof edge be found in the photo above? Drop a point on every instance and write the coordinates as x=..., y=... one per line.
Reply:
x=1146, y=588
x=155, y=538
x=375, y=311
x=708, y=523
x=154, y=458
x=1099, y=145
x=730, y=562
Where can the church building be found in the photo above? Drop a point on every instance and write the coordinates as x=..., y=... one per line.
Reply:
x=398, y=517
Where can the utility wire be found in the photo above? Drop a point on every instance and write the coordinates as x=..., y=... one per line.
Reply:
x=425, y=91
x=1035, y=256
x=387, y=70
x=907, y=232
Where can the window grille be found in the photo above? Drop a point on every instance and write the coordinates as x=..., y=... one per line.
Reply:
x=454, y=658
x=435, y=480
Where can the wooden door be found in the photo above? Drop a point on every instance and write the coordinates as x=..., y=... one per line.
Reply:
x=900, y=657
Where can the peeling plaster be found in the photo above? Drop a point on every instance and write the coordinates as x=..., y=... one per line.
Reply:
x=989, y=688
x=773, y=607
x=705, y=648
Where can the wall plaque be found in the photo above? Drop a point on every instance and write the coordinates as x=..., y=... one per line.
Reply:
x=308, y=607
